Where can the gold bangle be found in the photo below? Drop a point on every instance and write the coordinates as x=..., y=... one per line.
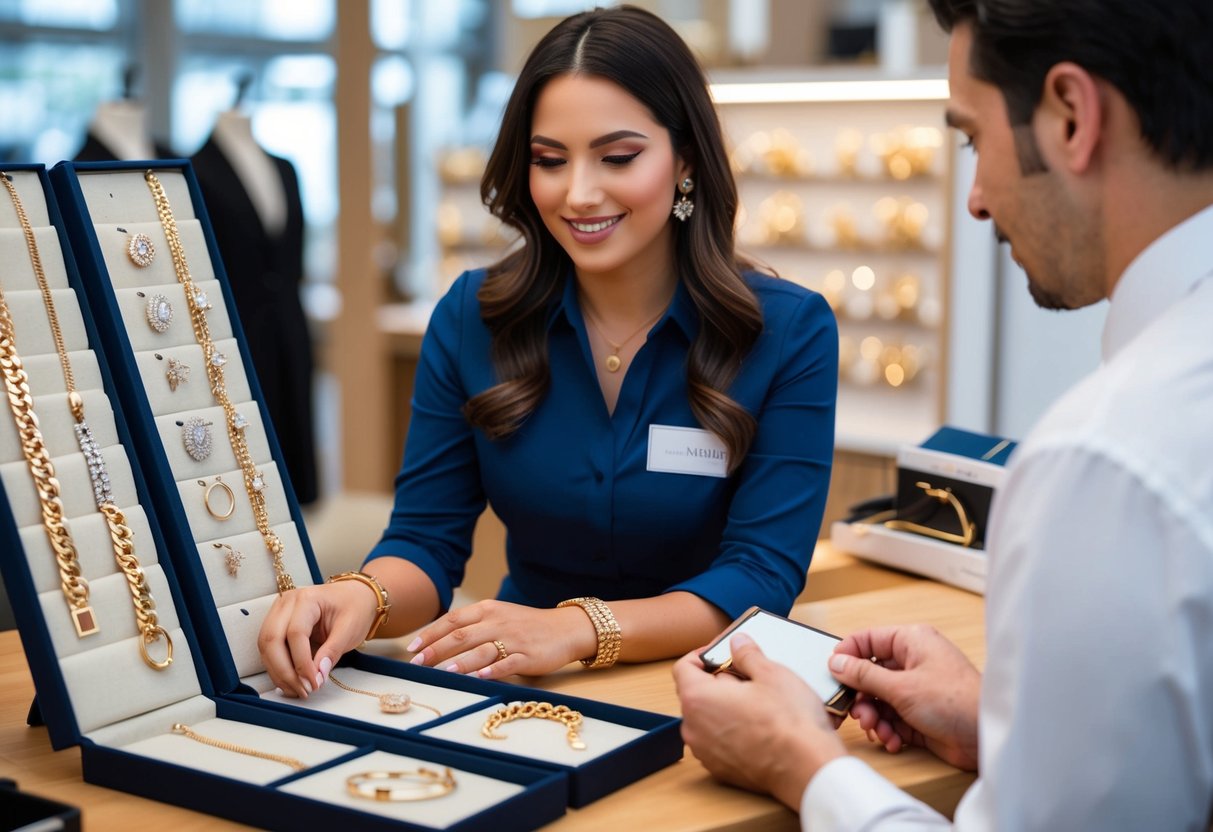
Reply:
x=185, y=731
x=420, y=783
x=610, y=637
x=384, y=603
x=213, y=361
x=389, y=703
x=566, y=716
x=75, y=587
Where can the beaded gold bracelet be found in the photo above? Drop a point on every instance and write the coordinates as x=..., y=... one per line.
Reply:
x=610, y=637
x=566, y=716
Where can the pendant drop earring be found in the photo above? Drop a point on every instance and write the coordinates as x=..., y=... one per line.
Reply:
x=684, y=207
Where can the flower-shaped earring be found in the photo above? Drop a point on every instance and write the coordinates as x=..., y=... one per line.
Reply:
x=684, y=207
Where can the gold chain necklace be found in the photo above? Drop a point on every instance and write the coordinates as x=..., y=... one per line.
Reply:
x=75, y=587
x=254, y=482
x=186, y=731
x=389, y=703
x=613, y=362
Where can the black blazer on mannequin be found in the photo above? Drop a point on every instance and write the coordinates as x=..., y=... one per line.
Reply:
x=94, y=150
x=265, y=272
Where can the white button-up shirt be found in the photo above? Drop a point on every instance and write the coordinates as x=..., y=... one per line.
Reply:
x=1097, y=701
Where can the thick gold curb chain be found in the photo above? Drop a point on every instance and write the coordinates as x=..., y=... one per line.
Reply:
x=254, y=482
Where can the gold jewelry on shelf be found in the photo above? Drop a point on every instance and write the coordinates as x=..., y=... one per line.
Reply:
x=254, y=482
x=847, y=145
x=566, y=716
x=384, y=603
x=613, y=362
x=185, y=731
x=389, y=703
x=75, y=587
x=141, y=250
x=177, y=372
x=502, y=653
x=225, y=488
x=158, y=311
x=420, y=783
x=968, y=529
x=196, y=436
x=232, y=559
x=610, y=637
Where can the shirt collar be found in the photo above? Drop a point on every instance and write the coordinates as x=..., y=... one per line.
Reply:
x=1158, y=277
x=681, y=310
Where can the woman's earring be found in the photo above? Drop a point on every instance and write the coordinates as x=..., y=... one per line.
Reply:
x=196, y=434
x=684, y=207
x=141, y=250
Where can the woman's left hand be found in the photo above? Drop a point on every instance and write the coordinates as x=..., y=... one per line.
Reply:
x=494, y=639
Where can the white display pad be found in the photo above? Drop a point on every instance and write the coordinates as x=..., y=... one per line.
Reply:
x=58, y=426
x=19, y=268
x=539, y=739
x=29, y=188
x=122, y=196
x=178, y=749
x=332, y=699
x=473, y=793
x=115, y=238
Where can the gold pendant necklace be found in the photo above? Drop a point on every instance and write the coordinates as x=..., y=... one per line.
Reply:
x=613, y=362
x=254, y=482
x=75, y=587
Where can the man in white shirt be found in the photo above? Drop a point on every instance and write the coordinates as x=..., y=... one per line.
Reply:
x=1093, y=125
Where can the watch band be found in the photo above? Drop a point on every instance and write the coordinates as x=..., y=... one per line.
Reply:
x=385, y=604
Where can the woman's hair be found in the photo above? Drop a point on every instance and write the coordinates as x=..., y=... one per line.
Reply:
x=643, y=55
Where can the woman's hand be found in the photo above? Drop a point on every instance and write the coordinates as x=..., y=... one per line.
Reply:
x=533, y=641
x=308, y=629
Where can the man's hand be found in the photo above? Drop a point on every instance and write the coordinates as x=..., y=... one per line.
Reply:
x=918, y=690
x=767, y=733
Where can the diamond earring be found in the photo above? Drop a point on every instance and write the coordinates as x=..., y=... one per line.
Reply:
x=159, y=312
x=141, y=250
x=196, y=435
x=684, y=207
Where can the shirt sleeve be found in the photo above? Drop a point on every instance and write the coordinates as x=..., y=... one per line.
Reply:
x=1095, y=702
x=846, y=794
x=439, y=495
x=775, y=513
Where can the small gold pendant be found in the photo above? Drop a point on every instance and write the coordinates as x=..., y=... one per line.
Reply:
x=613, y=363
x=394, y=703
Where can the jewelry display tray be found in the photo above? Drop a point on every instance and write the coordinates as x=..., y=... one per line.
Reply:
x=95, y=692
x=221, y=615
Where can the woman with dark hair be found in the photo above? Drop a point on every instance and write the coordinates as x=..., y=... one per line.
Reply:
x=652, y=420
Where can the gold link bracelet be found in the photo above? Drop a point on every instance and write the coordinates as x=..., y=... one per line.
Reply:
x=254, y=482
x=186, y=731
x=566, y=716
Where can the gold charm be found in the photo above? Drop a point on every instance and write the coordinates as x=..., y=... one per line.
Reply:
x=389, y=703
x=613, y=363
x=232, y=559
x=177, y=372
x=141, y=250
x=196, y=434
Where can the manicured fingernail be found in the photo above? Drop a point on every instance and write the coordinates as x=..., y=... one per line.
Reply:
x=742, y=640
x=278, y=691
x=319, y=680
x=307, y=685
x=418, y=659
x=452, y=667
x=484, y=673
x=838, y=662
x=414, y=644
x=326, y=664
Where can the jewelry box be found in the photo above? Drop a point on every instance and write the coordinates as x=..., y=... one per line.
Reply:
x=202, y=485
x=110, y=645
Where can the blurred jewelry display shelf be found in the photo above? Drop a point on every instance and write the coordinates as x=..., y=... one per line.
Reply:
x=161, y=728
x=469, y=237
x=844, y=184
x=939, y=516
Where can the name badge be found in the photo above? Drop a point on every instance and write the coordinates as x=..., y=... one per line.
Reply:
x=675, y=450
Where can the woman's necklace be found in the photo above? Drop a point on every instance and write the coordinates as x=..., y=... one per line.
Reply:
x=613, y=362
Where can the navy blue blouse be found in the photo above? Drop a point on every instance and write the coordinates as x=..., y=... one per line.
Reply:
x=583, y=514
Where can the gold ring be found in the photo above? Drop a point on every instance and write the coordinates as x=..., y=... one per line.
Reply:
x=206, y=498
x=502, y=653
